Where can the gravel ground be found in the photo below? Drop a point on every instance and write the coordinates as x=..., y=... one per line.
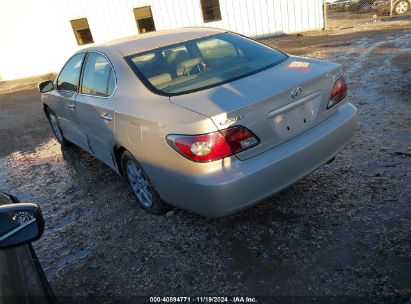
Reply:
x=341, y=234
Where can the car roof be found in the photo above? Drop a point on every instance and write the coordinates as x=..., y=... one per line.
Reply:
x=144, y=42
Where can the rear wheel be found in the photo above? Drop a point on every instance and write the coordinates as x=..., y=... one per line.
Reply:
x=401, y=7
x=140, y=186
x=55, y=126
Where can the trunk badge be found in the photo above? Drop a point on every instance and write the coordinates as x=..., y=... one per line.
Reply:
x=296, y=92
x=232, y=120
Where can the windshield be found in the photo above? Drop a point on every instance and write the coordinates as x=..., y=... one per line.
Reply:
x=202, y=63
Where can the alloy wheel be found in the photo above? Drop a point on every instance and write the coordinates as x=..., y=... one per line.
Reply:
x=401, y=7
x=139, y=183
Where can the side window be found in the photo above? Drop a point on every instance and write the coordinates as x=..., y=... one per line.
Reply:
x=69, y=77
x=98, y=76
x=111, y=83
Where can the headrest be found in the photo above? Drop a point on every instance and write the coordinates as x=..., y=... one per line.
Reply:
x=186, y=66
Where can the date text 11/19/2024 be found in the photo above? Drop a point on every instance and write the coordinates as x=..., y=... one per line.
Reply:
x=203, y=300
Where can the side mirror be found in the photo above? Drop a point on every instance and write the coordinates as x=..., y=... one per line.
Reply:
x=46, y=86
x=20, y=224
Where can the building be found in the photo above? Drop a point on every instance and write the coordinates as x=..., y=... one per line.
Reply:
x=38, y=36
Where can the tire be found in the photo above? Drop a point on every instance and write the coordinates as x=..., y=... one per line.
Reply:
x=141, y=187
x=401, y=7
x=55, y=127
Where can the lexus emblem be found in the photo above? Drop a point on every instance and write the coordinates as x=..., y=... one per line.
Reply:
x=296, y=92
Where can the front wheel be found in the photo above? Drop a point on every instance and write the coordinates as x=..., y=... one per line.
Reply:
x=401, y=7
x=55, y=126
x=140, y=186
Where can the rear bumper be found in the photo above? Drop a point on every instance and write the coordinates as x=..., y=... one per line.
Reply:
x=241, y=184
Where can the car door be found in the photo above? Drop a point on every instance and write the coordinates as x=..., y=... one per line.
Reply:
x=67, y=85
x=22, y=279
x=95, y=105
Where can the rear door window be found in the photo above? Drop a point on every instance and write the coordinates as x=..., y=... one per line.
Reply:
x=98, y=76
x=69, y=77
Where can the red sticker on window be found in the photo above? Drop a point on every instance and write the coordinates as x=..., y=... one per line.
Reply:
x=299, y=65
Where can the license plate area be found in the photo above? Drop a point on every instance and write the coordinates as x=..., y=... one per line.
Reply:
x=296, y=117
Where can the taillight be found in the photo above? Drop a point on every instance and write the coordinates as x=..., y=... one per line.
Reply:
x=338, y=93
x=213, y=146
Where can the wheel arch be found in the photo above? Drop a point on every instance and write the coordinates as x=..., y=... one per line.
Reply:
x=118, y=150
x=47, y=106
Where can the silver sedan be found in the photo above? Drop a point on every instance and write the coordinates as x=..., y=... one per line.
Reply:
x=202, y=119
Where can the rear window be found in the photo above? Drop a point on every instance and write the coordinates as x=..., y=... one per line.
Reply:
x=202, y=63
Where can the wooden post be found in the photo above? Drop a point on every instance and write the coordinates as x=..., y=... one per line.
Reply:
x=391, y=8
x=325, y=14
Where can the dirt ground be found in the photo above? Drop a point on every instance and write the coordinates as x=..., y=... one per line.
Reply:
x=342, y=234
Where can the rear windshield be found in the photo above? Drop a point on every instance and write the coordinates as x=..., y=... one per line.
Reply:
x=202, y=63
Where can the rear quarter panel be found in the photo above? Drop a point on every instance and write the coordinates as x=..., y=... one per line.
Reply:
x=142, y=122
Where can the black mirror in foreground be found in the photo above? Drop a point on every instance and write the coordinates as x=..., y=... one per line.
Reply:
x=46, y=86
x=20, y=224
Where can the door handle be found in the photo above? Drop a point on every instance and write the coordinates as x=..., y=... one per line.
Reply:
x=72, y=106
x=106, y=116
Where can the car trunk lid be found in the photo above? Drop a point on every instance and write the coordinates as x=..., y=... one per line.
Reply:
x=276, y=104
